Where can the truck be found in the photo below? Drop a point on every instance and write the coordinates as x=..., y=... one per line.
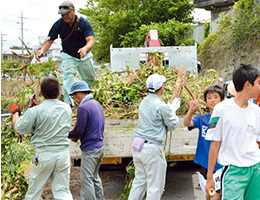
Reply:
x=119, y=134
x=174, y=56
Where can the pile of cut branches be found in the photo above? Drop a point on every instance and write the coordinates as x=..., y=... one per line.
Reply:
x=121, y=92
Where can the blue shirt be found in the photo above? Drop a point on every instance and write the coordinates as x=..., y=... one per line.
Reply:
x=77, y=40
x=155, y=117
x=202, y=152
x=90, y=124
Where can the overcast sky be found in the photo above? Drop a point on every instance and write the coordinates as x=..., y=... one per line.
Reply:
x=38, y=17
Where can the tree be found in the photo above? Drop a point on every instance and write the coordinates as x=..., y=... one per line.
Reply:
x=237, y=39
x=19, y=47
x=125, y=23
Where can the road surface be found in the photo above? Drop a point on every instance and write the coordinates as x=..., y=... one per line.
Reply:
x=181, y=182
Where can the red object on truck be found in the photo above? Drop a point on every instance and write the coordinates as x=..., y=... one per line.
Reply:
x=152, y=39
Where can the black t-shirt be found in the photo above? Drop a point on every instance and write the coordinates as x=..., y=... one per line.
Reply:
x=77, y=40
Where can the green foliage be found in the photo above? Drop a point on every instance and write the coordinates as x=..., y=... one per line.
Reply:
x=237, y=39
x=171, y=33
x=24, y=95
x=130, y=169
x=126, y=23
x=18, y=47
x=120, y=94
x=10, y=64
x=43, y=68
x=15, y=157
x=206, y=29
x=37, y=70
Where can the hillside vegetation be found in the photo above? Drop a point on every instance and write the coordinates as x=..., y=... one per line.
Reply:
x=236, y=41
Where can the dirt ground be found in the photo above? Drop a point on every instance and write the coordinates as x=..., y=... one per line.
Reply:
x=181, y=182
x=75, y=184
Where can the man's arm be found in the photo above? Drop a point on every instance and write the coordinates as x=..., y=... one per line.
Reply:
x=90, y=43
x=258, y=144
x=44, y=48
x=187, y=119
x=14, y=119
x=80, y=125
x=213, y=154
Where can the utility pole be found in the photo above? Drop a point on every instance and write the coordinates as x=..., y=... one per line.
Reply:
x=2, y=42
x=22, y=29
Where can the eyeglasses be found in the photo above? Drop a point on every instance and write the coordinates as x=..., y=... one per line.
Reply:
x=65, y=7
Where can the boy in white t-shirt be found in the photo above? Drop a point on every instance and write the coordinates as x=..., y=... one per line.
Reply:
x=234, y=131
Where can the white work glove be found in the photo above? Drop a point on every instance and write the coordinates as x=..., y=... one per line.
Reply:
x=175, y=104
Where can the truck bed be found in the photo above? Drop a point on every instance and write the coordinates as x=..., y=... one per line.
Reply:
x=118, y=136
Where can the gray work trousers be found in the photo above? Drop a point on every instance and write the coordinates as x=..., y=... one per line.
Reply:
x=91, y=185
x=150, y=173
x=50, y=163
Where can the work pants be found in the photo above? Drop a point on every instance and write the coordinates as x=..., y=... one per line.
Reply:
x=91, y=185
x=150, y=173
x=54, y=164
x=85, y=67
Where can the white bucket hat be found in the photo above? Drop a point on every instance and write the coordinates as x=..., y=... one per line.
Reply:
x=154, y=82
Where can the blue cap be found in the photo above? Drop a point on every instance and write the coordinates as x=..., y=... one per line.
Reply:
x=79, y=86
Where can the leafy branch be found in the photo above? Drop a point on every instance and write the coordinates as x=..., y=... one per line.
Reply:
x=28, y=58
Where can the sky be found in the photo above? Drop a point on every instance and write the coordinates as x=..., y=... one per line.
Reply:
x=38, y=18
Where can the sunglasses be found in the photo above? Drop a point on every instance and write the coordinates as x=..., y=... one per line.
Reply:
x=65, y=7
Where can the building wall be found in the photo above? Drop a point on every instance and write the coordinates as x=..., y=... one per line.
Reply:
x=8, y=55
x=198, y=31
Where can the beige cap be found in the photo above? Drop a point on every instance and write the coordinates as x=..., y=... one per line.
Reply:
x=231, y=88
x=65, y=7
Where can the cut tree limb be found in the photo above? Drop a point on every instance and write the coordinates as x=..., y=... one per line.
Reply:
x=178, y=85
x=29, y=58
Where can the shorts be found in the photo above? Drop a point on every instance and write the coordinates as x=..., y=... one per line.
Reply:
x=241, y=183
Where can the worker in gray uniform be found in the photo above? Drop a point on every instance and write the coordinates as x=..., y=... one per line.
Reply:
x=49, y=123
x=155, y=117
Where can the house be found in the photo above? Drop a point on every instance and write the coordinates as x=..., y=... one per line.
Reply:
x=8, y=55
x=54, y=52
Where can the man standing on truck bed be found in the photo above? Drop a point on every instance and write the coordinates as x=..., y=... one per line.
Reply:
x=155, y=117
x=89, y=128
x=77, y=39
